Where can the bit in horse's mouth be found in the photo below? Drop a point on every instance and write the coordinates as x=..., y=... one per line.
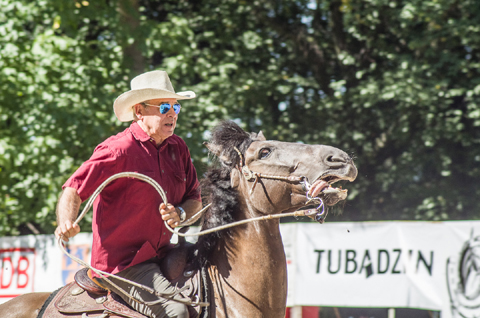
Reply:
x=323, y=184
x=330, y=196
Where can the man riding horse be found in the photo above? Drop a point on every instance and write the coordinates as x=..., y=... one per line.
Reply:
x=238, y=266
x=129, y=235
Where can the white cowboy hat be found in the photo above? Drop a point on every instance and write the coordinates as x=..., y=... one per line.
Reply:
x=146, y=86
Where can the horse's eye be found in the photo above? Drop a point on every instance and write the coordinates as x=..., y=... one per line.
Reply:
x=264, y=153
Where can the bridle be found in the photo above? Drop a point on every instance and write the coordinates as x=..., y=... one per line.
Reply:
x=306, y=186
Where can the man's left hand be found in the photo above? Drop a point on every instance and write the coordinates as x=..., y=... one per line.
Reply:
x=170, y=215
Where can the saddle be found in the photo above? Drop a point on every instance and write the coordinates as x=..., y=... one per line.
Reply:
x=85, y=297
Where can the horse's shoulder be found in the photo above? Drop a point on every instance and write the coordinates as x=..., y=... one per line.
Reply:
x=24, y=306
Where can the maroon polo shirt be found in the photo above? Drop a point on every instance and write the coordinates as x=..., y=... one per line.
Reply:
x=127, y=226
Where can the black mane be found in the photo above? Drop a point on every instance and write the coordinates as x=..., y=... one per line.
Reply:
x=216, y=186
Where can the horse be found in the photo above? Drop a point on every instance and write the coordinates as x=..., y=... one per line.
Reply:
x=256, y=178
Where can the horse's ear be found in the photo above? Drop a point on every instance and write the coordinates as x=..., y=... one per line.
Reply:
x=261, y=137
x=216, y=150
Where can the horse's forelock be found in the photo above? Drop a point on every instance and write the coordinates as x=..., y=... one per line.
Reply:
x=228, y=133
x=227, y=140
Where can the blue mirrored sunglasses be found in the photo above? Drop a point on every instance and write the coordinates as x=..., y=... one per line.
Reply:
x=165, y=107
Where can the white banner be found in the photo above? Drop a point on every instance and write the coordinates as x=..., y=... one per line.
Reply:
x=34, y=263
x=423, y=265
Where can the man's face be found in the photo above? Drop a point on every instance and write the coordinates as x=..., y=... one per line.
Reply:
x=157, y=125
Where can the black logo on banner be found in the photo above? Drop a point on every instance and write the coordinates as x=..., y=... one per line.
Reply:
x=463, y=280
x=368, y=263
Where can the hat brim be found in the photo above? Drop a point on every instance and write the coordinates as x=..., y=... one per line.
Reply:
x=124, y=103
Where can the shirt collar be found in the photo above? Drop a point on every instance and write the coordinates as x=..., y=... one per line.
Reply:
x=140, y=135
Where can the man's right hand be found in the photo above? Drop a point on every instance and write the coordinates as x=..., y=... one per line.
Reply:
x=67, y=230
x=67, y=211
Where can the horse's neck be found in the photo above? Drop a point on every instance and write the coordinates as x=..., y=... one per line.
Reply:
x=249, y=270
x=256, y=241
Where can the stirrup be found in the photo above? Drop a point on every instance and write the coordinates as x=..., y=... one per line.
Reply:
x=84, y=279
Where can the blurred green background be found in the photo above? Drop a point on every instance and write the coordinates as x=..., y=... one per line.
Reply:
x=395, y=83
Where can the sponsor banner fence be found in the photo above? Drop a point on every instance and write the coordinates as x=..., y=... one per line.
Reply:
x=35, y=263
x=424, y=265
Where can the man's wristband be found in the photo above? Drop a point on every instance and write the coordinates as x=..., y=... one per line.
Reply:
x=183, y=214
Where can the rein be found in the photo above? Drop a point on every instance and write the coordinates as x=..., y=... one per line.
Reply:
x=191, y=220
x=105, y=275
x=255, y=176
x=250, y=175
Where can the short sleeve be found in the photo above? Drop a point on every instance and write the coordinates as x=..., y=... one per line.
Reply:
x=93, y=172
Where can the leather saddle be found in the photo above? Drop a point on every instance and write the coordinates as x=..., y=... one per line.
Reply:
x=86, y=298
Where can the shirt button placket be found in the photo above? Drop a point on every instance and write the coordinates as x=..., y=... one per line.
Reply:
x=160, y=167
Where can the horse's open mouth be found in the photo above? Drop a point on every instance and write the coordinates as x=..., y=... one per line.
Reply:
x=323, y=187
x=321, y=194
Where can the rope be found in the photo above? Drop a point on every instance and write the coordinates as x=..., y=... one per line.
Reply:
x=190, y=221
x=237, y=223
x=140, y=176
x=105, y=275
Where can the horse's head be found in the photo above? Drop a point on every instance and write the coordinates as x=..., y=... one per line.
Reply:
x=274, y=176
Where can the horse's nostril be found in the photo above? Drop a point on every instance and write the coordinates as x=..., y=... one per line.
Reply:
x=335, y=159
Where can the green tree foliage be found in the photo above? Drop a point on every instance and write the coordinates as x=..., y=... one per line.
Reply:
x=394, y=83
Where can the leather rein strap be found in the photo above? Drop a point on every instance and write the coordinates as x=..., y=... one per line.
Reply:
x=249, y=175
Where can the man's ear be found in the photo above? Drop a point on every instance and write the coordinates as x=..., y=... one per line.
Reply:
x=139, y=110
